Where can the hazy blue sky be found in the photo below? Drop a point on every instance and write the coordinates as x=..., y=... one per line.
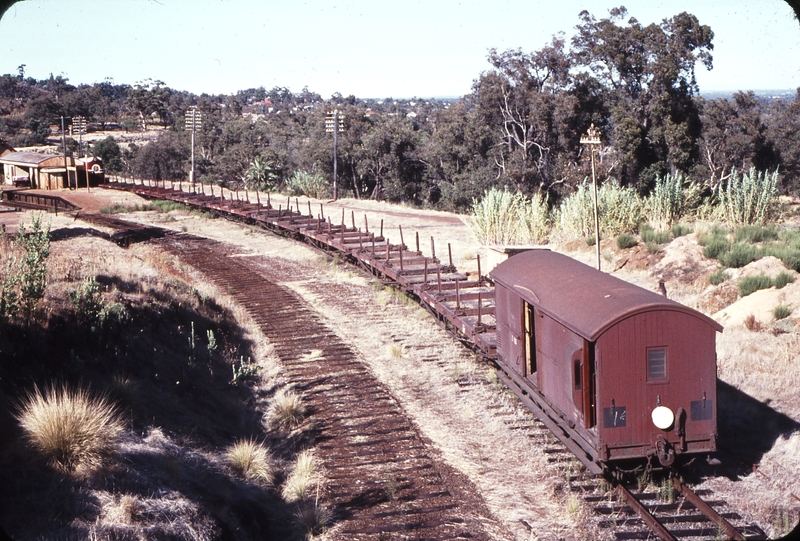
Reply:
x=369, y=48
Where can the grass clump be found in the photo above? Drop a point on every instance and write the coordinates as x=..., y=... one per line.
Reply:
x=287, y=410
x=718, y=276
x=626, y=240
x=252, y=460
x=302, y=477
x=783, y=279
x=679, y=230
x=71, y=429
x=738, y=255
x=751, y=284
x=648, y=234
x=755, y=233
x=782, y=311
x=312, y=518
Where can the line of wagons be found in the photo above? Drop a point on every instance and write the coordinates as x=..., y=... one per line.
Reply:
x=621, y=373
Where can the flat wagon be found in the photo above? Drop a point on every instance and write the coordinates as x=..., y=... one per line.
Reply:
x=618, y=371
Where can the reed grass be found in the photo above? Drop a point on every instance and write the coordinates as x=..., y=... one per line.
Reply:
x=750, y=198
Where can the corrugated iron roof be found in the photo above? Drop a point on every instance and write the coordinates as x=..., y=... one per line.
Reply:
x=26, y=157
x=578, y=296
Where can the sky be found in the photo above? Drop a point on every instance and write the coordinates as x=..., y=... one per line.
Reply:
x=367, y=48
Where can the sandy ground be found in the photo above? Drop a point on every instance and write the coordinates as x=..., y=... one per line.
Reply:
x=764, y=365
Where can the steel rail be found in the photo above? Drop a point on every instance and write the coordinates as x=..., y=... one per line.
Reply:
x=707, y=510
x=648, y=518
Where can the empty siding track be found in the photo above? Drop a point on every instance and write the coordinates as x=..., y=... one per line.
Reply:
x=384, y=477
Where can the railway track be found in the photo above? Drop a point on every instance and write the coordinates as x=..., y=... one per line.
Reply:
x=341, y=386
x=381, y=474
x=671, y=512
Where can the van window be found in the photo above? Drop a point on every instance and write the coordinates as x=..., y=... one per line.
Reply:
x=656, y=364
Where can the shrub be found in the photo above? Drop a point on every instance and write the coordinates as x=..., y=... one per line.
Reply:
x=750, y=198
x=782, y=311
x=718, y=276
x=287, y=410
x=308, y=184
x=626, y=240
x=751, y=284
x=716, y=247
x=648, y=234
x=782, y=279
x=69, y=428
x=672, y=197
x=679, y=230
x=87, y=301
x=252, y=460
x=738, y=255
x=652, y=247
x=755, y=233
x=35, y=246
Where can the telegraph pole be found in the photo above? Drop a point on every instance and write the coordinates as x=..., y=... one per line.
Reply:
x=333, y=123
x=79, y=123
x=64, y=144
x=194, y=120
x=592, y=138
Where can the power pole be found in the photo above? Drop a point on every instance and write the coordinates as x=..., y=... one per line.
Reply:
x=333, y=123
x=64, y=145
x=592, y=138
x=79, y=123
x=194, y=120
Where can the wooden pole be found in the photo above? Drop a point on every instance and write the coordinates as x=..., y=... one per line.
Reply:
x=450, y=254
x=433, y=249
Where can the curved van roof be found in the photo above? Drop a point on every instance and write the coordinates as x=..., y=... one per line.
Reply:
x=578, y=296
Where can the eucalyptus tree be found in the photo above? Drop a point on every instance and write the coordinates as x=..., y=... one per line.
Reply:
x=648, y=77
x=734, y=136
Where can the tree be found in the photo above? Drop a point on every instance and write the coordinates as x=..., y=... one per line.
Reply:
x=149, y=99
x=783, y=133
x=108, y=150
x=734, y=136
x=648, y=76
x=166, y=158
x=529, y=101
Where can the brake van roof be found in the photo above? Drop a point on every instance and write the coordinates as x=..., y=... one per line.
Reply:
x=580, y=297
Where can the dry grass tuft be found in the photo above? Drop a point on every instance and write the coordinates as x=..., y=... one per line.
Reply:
x=252, y=460
x=287, y=410
x=71, y=429
x=752, y=324
x=312, y=519
x=303, y=477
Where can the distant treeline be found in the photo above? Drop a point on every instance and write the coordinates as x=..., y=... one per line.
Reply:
x=520, y=126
